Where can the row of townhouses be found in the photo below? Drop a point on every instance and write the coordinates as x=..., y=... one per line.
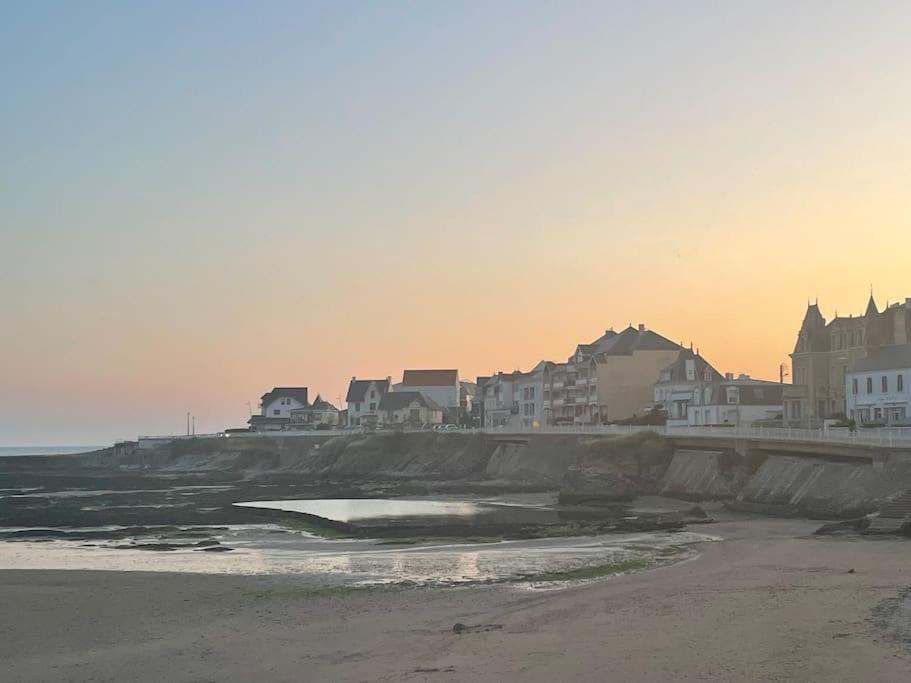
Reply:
x=854, y=368
x=423, y=397
x=849, y=369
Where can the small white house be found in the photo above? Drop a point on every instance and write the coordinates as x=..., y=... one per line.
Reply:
x=441, y=386
x=409, y=408
x=276, y=407
x=876, y=387
x=517, y=399
x=364, y=396
x=735, y=402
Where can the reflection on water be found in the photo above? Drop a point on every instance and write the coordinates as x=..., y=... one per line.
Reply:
x=356, y=509
x=269, y=549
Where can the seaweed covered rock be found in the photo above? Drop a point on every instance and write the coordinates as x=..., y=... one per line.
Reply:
x=617, y=468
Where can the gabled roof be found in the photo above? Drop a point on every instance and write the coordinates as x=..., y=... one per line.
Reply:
x=430, y=378
x=299, y=393
x=357, y=389
x=677, y=369
x=751, y=393
x=318, y=404
x=652, y=341
x=602, y=343
x=631, y=339
x=396, y=400
x=887, y=358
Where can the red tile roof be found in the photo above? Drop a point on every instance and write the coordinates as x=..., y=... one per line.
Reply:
x=430, y=378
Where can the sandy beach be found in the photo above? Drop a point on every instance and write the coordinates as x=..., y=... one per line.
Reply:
x=770, y=603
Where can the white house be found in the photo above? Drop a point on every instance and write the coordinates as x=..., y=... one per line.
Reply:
x=364, y=396
x=411, y=408
x=517, y=399
x=735, y=402
x=876, y=387
x=441, y=386
x=677, y=383
x=276, y=407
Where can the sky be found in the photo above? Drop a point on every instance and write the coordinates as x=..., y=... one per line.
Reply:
x=202, y=200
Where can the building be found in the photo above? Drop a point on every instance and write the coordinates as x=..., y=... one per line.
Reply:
x=363, y=399
x=516, y=399
x=826, y=351
x=467, y=392
x=877, y=387
x=441, y=386
x=477, y=407
x=739, y=402
x=674, y=389
x=276, y=406
x=409, y=408
x=611, y=379
x=319, y=415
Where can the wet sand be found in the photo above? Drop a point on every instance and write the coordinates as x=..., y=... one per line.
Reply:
x=770, y=603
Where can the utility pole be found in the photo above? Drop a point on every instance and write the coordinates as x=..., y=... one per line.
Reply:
x=188, y=423
x=782, y=372
x=194, y=425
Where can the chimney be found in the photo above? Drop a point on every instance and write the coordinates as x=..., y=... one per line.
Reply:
x=641, y=327
x=729, y=376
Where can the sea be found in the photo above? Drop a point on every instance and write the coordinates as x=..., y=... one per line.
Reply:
x=45, y=450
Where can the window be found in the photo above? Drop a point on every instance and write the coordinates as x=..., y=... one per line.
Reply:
x=877, y=413
x=372, y=393
x=357, y=407
x=885, y=383
x=900, y=383
x=276, y=411
x=854, y=386
x=869, y=385
x=372, y=406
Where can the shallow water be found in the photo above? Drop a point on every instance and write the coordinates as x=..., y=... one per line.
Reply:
x=270, y=549
x=360, y=510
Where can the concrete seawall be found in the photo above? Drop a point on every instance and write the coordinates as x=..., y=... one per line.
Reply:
x=583, y=467
x=806, y=486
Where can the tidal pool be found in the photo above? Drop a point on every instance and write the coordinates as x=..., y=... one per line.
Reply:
x=363, y=509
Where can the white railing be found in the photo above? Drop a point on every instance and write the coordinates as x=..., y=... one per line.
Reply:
x=891, y=437
x=150, y=441
x=894, y=437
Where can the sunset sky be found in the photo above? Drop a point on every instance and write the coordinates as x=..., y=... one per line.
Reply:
x=199, y=201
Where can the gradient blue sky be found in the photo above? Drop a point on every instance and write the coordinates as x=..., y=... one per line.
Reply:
x=201, y=200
